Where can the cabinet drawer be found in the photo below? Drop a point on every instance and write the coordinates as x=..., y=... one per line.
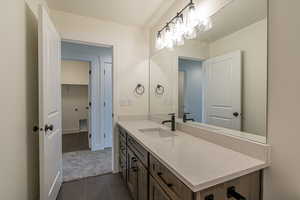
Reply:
x=169, y=182
x=138, y=150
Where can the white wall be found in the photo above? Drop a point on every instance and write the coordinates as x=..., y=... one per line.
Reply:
x=74, y=103
x=130, y=55
x=282, y=179
x=252, y=40
x=75, y=72
x=19, y=101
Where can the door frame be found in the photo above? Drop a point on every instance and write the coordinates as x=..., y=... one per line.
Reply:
x=177, y=76
x=115, y=89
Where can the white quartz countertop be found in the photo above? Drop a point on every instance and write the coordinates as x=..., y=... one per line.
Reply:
x=196, y=162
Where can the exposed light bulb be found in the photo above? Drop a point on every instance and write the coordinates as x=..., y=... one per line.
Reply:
x=205, y=22
x=159, y=41
x=168, y=39
x=191, y=23
x=192, y=17
x=179, y=30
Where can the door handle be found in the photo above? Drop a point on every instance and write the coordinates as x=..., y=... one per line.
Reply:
x=49, y=127
x=236, y=114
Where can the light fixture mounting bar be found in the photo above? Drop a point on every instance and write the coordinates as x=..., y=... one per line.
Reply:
x=177, y=15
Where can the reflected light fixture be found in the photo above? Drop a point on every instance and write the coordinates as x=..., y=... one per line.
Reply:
x=185, y=25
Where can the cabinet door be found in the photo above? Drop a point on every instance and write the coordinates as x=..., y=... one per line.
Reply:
x=123, y=168
x=142, y=182
x=156, y=192
x=132, y=174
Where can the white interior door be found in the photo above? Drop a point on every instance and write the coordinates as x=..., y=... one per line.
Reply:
x=222, y=91
x=50, y=116
x=108, y=104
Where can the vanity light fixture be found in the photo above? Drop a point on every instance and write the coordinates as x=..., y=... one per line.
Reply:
x=185, y=25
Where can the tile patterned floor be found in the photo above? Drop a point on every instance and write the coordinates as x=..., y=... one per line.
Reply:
x=105, y=187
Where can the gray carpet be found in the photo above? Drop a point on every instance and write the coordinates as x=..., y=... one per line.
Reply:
x=82, y=164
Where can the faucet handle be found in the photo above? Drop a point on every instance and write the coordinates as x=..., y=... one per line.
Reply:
x=172, y=114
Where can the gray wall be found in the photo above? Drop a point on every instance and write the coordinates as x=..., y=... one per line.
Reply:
x=282, y=179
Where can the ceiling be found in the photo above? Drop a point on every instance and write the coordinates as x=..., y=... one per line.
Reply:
x=128, y=12
x=235, y=16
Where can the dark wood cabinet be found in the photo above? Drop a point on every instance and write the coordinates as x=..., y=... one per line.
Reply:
x=142, y=182
x=132, y=174
x=148, y=179
x=123, y=155
x=156, y=192
x=169, y=182
x=123, y=167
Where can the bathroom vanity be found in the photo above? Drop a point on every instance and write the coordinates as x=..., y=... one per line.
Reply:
x=159, y=164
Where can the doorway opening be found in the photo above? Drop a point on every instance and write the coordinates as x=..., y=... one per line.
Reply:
x=87, y=120
x=190, y=92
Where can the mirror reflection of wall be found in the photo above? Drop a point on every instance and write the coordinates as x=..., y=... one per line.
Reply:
x=220, y=77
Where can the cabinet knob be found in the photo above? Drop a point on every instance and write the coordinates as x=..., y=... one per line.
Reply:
x=134, y=159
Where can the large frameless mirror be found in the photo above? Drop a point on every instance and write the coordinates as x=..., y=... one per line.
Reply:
x=216, y=78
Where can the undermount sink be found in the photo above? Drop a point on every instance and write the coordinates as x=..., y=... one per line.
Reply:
x=160, y=132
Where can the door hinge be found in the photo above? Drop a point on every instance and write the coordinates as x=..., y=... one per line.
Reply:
x=90, y=103
x=90, y=72
x=112, y=115
x=104, y=104
x=104, y=135
x=90, y=135
x=104, y=71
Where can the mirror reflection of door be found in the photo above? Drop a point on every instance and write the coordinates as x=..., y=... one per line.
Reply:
x=210, y=90
x=222, y=91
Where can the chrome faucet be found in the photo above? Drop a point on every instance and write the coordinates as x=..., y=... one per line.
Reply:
x=185, y=119
x=172, y=121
